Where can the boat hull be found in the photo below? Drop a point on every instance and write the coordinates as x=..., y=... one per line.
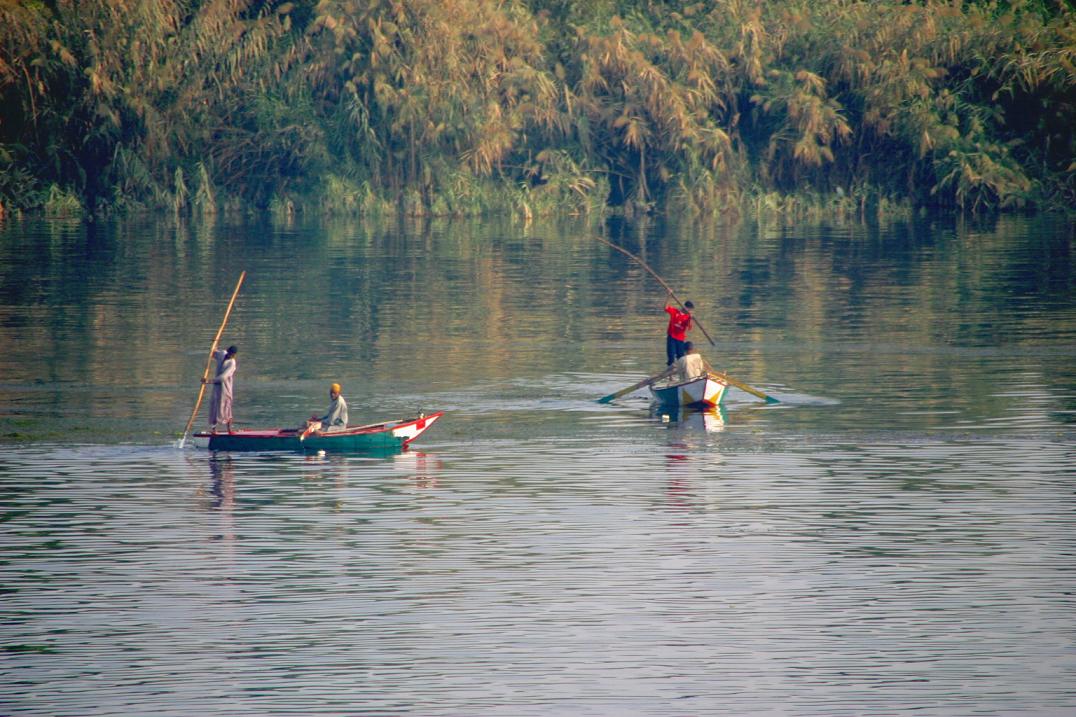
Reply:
x=390, y=436
x=702, y=392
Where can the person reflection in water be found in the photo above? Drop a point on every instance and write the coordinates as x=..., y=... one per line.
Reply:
x=222, y=473
x=223, y=483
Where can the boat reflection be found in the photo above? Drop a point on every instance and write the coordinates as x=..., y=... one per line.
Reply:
x=710, y=420
x=420, y=468
x=423, y=469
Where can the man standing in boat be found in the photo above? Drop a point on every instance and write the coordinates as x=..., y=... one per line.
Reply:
x=220, y=406
x=676, y=336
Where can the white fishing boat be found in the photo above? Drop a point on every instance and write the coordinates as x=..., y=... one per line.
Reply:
x=703, y=392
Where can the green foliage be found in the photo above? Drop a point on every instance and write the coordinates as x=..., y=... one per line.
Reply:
x=651, y=106
x=18, y=187
x=180, y=193
x=205, y=199
x=62, y=203
x=939, y=96
x=421, y=89
x=453, y=107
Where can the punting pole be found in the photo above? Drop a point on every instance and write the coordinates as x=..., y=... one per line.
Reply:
x=209, y=361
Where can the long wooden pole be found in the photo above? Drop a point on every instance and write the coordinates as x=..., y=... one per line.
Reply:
x=721, y=375
x=661, y=281
x=209, y=362
x=635, y=386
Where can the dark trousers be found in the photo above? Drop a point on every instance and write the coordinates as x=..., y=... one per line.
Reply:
x=674, y=349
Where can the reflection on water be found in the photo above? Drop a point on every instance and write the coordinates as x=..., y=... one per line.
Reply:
x=937, y=326
x=511, y=576
x=708, y=420
x=421, y=468
x=894, y=537
x=222, y=483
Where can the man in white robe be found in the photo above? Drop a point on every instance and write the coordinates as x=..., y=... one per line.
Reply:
x=220, y=405
x=691, y=365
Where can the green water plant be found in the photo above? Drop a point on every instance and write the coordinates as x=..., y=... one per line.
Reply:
x=62, y=202
x=458, y=107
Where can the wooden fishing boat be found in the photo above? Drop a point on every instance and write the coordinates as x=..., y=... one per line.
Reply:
x=702, y=392
x=375, y=437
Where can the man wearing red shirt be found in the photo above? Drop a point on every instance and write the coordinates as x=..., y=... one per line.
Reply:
x=679, y=323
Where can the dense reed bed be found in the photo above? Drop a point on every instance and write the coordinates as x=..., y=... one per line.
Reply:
x=536, y=106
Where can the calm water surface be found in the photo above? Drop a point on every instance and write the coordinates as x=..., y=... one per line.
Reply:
x=896, y=536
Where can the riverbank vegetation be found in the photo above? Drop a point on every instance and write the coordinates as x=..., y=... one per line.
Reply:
x=440, y=107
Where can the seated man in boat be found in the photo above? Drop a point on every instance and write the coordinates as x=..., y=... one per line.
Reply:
x=689, y=366
x=334, y=420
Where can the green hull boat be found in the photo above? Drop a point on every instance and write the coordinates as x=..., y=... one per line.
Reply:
x=376, y=437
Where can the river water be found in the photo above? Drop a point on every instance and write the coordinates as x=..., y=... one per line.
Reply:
x=896, y=536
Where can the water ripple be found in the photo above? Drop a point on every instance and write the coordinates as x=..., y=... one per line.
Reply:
x=510, y=577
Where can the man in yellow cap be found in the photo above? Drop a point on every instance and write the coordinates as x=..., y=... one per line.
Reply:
x=336, y=418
